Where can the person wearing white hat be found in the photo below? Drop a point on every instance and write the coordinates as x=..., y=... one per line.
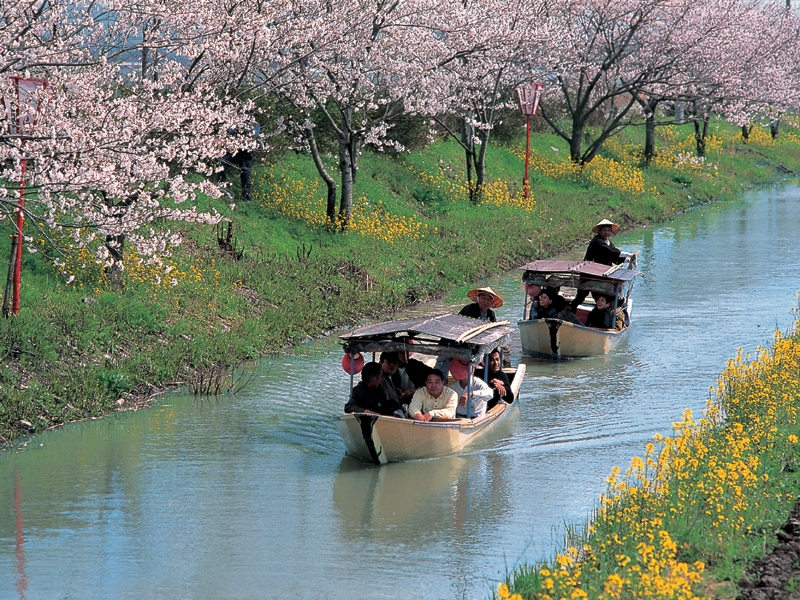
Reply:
x=484, y=299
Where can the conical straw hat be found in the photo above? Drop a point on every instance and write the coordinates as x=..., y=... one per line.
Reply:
x=473, y=295
x=604, y=223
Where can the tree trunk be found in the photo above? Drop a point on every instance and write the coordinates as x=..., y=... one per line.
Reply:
x=468, y=141
x=575, y=141
x=330, y=207
x=116, y=248
x=774, y=128
x=346, y=168
x=680, y=112
x=650, y=107
x=650, y=137
x=480, y=162
x=700, y=133
x=746, y=132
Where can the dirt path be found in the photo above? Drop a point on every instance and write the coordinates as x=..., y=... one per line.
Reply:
x=777, y=575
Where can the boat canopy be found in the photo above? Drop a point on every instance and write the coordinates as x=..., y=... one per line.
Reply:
x=447, y=335
x=583, y=275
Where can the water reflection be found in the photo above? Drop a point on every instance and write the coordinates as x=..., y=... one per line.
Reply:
x=416, y=503
x=19, y=551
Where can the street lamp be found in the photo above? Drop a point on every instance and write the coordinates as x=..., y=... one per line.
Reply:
x=528, y=98
x=21, y=112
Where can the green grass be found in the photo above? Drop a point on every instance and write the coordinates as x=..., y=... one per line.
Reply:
x=75, y=350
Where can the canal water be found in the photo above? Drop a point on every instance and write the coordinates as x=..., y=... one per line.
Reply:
x=251, y=497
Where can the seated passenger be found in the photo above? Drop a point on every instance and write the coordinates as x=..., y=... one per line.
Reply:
x=412, y=372
x=543, y=307
x=368, y=397
x=434, y=401
x=498, y=381
x=480, y=393
x=602, y=315
x=391, y=382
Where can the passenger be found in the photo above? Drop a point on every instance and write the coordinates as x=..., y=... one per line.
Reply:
x=368, y=397
x=484, y=300
x=498, y=381
x=434, y=401
x=390, y=382
x=481, y=394
x=543, y=307
x=412, y=371
x=602, y=315
x=602, y=251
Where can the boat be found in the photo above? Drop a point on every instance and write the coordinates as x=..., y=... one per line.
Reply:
x=554, y=338
x=383, y=439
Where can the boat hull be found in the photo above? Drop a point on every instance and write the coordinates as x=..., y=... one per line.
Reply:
x=556, y=339
x=394, y=439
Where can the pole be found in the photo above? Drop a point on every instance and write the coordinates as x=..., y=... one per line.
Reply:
x=352, y=372
x=527, y=155
x=20, y=239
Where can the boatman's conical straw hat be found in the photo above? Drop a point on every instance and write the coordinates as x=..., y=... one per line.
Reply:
x=497, y=302
x=604, y=223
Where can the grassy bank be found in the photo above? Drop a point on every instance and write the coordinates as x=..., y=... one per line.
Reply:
x=689, y=516
x=86, y=347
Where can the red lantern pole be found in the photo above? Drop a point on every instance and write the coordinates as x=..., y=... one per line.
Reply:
x=20, y=240
x=527, y=155
x=528, y=99
x=28, y=106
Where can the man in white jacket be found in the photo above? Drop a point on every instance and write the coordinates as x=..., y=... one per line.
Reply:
x=480, y=394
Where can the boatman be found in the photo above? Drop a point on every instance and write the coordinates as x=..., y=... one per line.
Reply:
x=434, y=401
x=483, y=301
x=601, y=250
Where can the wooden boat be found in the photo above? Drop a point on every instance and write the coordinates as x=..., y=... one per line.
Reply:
x=558, y=339
x=384, y=439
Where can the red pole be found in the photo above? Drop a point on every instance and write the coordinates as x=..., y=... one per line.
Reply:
x=20, y=220
x=527, y=154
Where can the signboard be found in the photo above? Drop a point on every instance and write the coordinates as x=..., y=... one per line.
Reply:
x=528, y=98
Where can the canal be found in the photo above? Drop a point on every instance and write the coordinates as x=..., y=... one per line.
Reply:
x=252, y=497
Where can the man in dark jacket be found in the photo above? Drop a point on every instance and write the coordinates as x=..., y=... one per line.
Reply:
x=602, y=251
x=484, y=300
x=368, y=397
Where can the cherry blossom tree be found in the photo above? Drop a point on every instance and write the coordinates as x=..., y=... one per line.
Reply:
x=616, y=52
x=487, y=55
x=367, y=68
x=141, y=98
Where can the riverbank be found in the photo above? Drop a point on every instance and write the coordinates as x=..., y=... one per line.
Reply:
x=86, y=348
x=691, y=517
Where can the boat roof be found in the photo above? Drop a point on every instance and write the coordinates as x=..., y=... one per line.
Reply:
x=584, y=268
x=583, y=275
x=453, y=336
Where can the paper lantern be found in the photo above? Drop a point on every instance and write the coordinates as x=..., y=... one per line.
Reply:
x=533, y=290
x=459, y=368
x=347, y=361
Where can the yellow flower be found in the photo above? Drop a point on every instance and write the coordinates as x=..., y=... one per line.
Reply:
x=502, y=590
